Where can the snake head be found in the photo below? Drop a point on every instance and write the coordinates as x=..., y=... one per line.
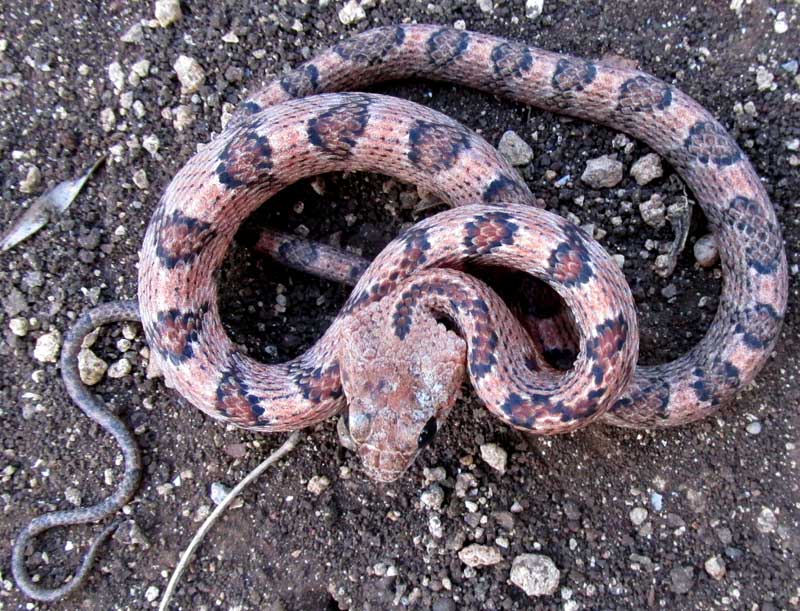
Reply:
x=399, y=391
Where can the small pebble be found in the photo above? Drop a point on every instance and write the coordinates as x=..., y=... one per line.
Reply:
x=318, y=484
x=601, y=172
x=435, y=526
x=73, y=496
x=533, y=8
x=515, y=149
x=653, y=211
x=619, y=260
x=116, y=75
x=19, y=326
x=218, y=493
x=647, y=169
x=91, y=368
x=486, y=6
x=151, y=594
x=352, y=12
x=183, y=117
x=140, y=179
x=638, y=515
x=48, y=347
x=190, y=74
x=681, y=579
x=495, y=456
x=706, y=251
x=715, y=566
x=669, y=291
x=767, y=521
x=433, y=497
x=168, y=12
x=754, y=427
x=480, y=555
x=536, y=574
x=119, y=369
x=764, y=78
x=32, y=179
x=134, y=34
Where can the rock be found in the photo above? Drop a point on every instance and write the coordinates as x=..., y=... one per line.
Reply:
x=433, y=497
x=73, y=496
x=706, y=252
x=464, y=481
x=134, y=34
x=435, y=526
x=168, y=12
x=116, y=75
x=754, y=428
x=533, y=8
x=681, y=579
x=91, y=368
x=669, y=291
x=536, y=574
x=486, y=6
x=32, y=179
x=218, y=493
x=653, y=211
x=119, y=369
x=781, y=26
x=515, y=149
x=352, y=12
x=151, y=594
x=764, y=78
x=151, y=143
x=647, y=168
x=767, y=521
x=601, y=172
x=48, y=347
x=480, y=555
x=494, y=456
x=183, y=117
x=715, y=566
x=140, y=179
x=19, y=326
x=697, y=500
x=619, y=260
x=638, y=515
x=190, y=74
x=318, y=484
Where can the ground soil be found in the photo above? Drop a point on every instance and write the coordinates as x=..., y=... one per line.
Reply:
x=711, y=489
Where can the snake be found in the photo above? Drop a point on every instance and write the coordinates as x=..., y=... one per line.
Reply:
x=416, y=324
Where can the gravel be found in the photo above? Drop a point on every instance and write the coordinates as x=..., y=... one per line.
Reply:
x=515, y=149
x=535, y=574
x=602, y=172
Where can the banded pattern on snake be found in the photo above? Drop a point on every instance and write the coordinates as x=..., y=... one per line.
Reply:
x=278, y=136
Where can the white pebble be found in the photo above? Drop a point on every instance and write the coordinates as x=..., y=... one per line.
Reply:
x=318, y=484
x=151, y=594
x=168, y=12
x=352, y=12
x=536, y=574
x=119, y=369
x=91, y=368
x=495, y=456
x=48, y=347
x=647, y=168
x=19, y=326
x=604, y=171
x=116, y=75
x=715, y=566
x=638, y=515
x=190, y=74
x=533, y=8
x=480, y=555
x=706, y=251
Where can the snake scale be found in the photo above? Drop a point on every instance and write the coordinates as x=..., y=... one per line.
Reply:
x=388, y=355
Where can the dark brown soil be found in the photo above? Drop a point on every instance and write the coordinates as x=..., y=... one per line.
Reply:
x=286, y=548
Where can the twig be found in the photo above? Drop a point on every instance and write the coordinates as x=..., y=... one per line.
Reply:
x=287, y=447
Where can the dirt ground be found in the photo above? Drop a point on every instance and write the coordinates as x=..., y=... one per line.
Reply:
x=725, y=489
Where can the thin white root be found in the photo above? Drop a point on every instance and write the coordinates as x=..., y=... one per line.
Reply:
x=287, y=447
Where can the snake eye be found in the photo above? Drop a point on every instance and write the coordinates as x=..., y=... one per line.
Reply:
x=427, y=434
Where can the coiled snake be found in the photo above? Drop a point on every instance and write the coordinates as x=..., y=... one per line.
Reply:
x=388, y=355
